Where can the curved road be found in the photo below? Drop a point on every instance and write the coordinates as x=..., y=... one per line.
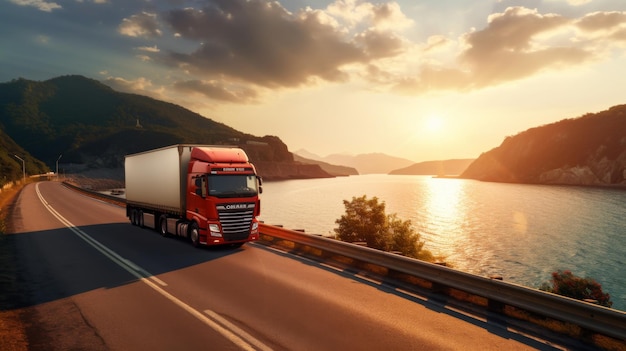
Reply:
x=98, y=283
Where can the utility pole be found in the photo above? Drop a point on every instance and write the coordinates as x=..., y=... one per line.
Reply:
x=23, y=169
x=57, y=174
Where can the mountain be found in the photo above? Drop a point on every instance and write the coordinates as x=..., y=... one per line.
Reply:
x=93, y=126
x=440, y=168
x=308, y=155
x=363, y=163
x=588, y=150
x=337, y=171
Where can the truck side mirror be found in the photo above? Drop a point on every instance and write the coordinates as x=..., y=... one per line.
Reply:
x=260, y=184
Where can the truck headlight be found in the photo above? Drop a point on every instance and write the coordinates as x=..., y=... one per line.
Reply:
x=214, y=229
x=255, y=226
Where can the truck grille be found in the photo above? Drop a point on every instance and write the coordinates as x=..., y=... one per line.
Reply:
x=236, y=220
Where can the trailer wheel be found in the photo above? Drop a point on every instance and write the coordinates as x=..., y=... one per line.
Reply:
x=163, y=226
x=140, y=219
x=194, y=234
x=133, y=217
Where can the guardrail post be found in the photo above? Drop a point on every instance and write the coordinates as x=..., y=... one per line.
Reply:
x=495, y=306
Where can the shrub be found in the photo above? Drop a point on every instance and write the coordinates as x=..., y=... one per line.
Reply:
x=365, y=220
x=567, y=284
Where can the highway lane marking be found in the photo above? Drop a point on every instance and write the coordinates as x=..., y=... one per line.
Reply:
x=236, y=336
x=237, y=330
x=112, y=255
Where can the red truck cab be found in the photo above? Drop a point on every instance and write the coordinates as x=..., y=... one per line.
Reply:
x=222, y=196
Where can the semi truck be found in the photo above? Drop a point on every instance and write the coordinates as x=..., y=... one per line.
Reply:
x=207, y=194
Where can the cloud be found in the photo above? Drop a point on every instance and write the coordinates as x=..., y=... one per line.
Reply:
x=41, y=5
x=122, y=84
x=385, y=16
x=389, y=16
x=516, y=44
x=217, y=91
x=149, y=48
x=142, y=25
x=377, y=44
x=510, y=47
x=139, y=85
x=608, y=22
x=578, y=2
x=572, y=2
x=260, y=42
x=230, y=50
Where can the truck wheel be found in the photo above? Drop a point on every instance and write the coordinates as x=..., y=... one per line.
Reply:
x=133, y=217
x=194, y=234
x=163, y=226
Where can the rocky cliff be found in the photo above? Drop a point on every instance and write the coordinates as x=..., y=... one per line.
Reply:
x=273, y=161
x=589, y=150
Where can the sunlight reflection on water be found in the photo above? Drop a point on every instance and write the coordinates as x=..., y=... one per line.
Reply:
x=521, y=232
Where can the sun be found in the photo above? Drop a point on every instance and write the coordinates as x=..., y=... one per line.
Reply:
x=433, y=123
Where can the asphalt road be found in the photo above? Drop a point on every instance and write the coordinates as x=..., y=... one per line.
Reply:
x=95, y=282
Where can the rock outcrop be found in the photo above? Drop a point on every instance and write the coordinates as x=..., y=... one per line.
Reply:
x=273, y=161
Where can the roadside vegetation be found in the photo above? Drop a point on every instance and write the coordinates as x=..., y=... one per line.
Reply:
x=12, y=328
x=565, y=283
x=6, y=198
x=365, y=221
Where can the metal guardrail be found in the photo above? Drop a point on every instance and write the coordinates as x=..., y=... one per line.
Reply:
x=589, y=316
x=111, y=198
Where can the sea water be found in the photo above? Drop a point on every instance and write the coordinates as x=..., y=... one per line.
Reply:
x=520, y=232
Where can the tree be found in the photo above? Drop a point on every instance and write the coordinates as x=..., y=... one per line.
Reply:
x=365, y=220
x=567, y=284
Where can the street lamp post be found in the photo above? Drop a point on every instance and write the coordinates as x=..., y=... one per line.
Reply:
x=61, y=155
x=23, y=168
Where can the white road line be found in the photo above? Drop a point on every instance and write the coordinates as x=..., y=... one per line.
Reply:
x=251, y=339
x=236, y=335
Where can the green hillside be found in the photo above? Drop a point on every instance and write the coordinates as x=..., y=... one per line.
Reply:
x=94, y=126
x=11, y=166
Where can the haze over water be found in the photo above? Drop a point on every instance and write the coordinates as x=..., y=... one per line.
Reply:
x=521, y=232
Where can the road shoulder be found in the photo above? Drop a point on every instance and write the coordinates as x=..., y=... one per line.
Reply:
x=12, y=325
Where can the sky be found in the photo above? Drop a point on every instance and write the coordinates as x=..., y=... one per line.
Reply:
x=418, y=79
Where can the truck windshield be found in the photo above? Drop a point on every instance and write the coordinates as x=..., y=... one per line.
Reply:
x=233, y=185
